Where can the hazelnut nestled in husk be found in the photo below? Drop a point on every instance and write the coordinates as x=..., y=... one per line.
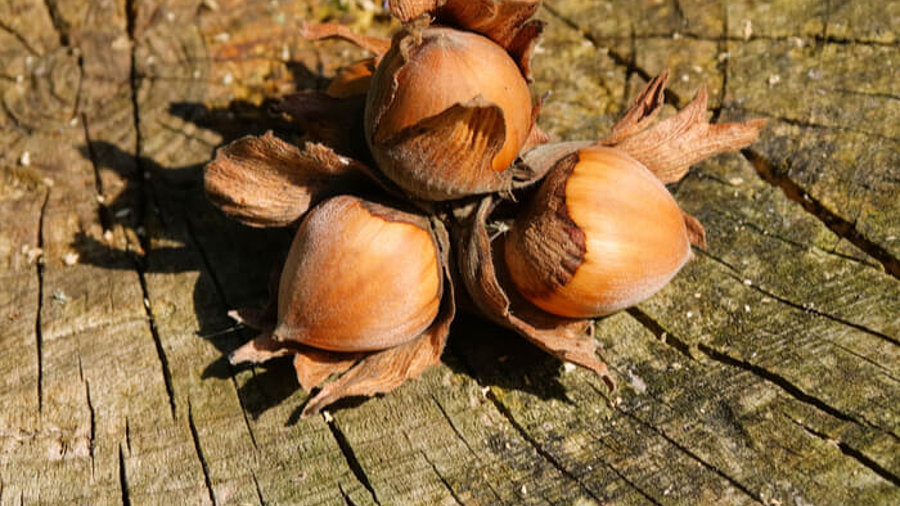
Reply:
x=365, y=294
x=601, y=234
x=359, y=276
x=447, y=114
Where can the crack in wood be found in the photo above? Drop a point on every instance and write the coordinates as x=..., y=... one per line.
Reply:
x=103, y=212
x=59, y=25
x=820, y=126
x=787, y=386
x=145, y=193
x=18, y=36
x=724, y=65
x=845, y=91
x=629, y=64
x=806, y=247
x=38, y=331
x=536, y=446
x=17, y=125
x=441, y=477
x=349, y=456
x=664, y=336
x=503, y=411
x=347, y=500
x=127, y=435
x=240, y=400
x=123, y=479
x=836, y=223
x=715, y=469
x=259, y=494
x=157, y=339
x=220, y=291
x=736, y=276
x=92, y=412
x=199, y=451
x=850, y=452
x=207, y=264
x=453, y=426
x=465, y=442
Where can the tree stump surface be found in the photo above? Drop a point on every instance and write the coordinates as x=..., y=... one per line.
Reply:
x=767, y=372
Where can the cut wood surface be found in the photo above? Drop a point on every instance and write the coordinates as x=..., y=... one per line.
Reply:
x=767, y=372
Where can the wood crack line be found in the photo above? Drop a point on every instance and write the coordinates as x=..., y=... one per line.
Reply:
x=441, y=477
x=851, y=452
x=57, y=22
x=836, y=223
x=157, y=340
x=687, y=34
x=18, y=36
x=465, y=442
x=693, y=456
x=38, y=331
x=504, y=411
x=453, y=426
x=349, y=455
x=789, y=387
x=91, y=411
x=259, y=494
x=734, y=274
x=195, y=436
x=865, y=262
x=139, y=266
x=220, y=292
x=771, y=377
x=821, y=126
x=123, y=479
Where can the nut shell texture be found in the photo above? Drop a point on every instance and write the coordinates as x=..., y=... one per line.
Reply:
x=440, y=89
x=360, y=276
x=626, y=237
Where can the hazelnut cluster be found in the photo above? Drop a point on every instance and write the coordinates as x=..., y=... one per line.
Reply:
x=409, y=157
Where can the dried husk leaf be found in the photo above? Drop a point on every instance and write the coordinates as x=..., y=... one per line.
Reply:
x=567, y=339
x=673, y=145
x=353, y=80
x=385, y=370
x=695, y=230
x=536, y=136
x=332, y=121
x=506, y=22
x=643, y=110
x=408, y=10
x=266, y=182
x=668, y=148
x=320, y=31
x=451, y=137
x=314, y=366
x=262, y=348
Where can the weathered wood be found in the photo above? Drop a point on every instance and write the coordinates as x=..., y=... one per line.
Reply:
x=765, y=373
